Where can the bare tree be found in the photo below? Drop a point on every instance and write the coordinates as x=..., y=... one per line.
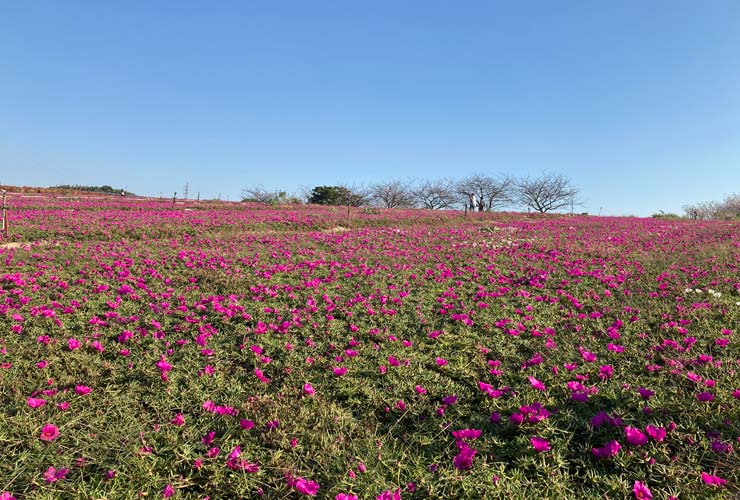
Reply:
x=486, y=193
x=392, y=194
x=729, y=208
x=358, y=195
x=258, y=194
x=548, y=192
x=436, y=194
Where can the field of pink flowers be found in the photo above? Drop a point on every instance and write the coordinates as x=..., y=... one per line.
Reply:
x=222, y=351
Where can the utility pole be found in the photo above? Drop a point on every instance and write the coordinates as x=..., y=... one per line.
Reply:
x=174, y=196
x=5, y=216
x=187, y=190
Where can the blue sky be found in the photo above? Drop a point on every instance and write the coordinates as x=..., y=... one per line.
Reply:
x=637, y=102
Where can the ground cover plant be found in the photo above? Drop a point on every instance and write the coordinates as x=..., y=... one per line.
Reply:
x=237, y=351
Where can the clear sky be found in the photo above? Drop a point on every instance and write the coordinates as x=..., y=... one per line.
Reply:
x=638, y=102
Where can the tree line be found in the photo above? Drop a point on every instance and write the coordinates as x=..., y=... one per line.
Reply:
x=92, y=189
x=728, y=208
x=477, y=192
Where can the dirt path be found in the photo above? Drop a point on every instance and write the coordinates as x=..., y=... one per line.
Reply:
x=14, y=244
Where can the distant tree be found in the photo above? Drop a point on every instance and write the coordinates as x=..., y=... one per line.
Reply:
x=728, y=208
x=434, y=194
x=485, y=193
x=92, y=189
x=548, y=192
x=393, y=194
x=359, y=195
x=257, y=194
x=331, y=195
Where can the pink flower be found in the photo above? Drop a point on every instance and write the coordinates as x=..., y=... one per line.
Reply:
x=73, y=344
x=464, y=459
x=168, y=491
x=308, y=389
x=635, y=437
x=705, y=396
x=340, y=496
x=82, y=390
x=53, y=475
x=655, y=433
x=449, y=400
x=645, y=393
x=389, y=495
x=306, y=486
x=178, y=420
x=35, y=402
x=540, y=444
x=588, y=356
x=5, y=495
x=609, y=449
x=49, y=432
x=339, y=371
x=642, y=491
x=163, y=366
x=537, y=384
x=246, y=424
x=712, y=480
x=440, y=361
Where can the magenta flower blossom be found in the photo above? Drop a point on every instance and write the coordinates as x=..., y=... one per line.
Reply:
x=6, y=495
x=609, y=449
x=53, y=475
x=463, y=434
x=178, y=420
x=82, y=390
x=390, y=495
x=540, y=444
x=208, y=438
x=464, y=459
x=645, y=393
x=168, y=491
x=339, y=496
x=711, y=480
x=450, y=400
x=536, y=384
x=340, y=371
x=635, y=437
x=705, y=396
x=655, y=433
x=306, y=486
x=641, y=491
x=163, y=365
x=35, y=402
x=588, y=356
x=73, y=344
x=308, y=389
x=49, y=432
